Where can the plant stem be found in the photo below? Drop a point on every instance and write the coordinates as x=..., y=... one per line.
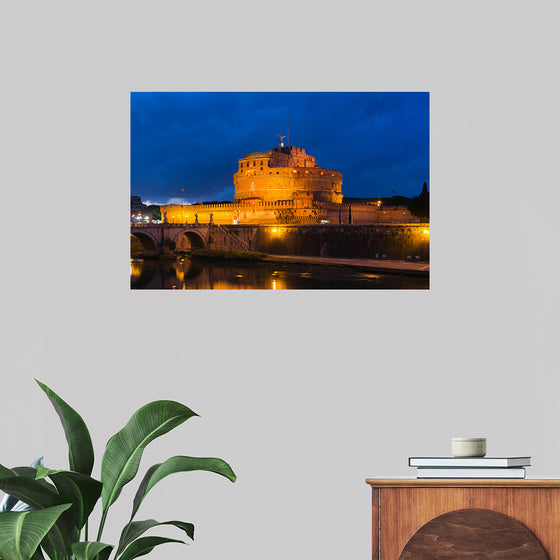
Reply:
x=102, y=524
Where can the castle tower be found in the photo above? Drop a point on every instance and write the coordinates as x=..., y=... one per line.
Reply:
x=285, y=173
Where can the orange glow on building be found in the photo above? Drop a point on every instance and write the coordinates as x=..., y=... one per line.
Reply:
x=285, y=185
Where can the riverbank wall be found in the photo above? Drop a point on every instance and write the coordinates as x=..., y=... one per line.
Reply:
x=390, y=241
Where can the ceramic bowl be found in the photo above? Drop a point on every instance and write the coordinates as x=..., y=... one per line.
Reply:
x=468, y=447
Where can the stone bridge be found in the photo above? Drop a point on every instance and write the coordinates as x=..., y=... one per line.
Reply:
x=392, y=241
x=162, y=239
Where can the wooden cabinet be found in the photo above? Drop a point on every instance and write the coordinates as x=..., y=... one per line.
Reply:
x=526, y=511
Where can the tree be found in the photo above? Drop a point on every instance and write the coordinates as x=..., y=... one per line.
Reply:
x=154, y=211
x=419, y=205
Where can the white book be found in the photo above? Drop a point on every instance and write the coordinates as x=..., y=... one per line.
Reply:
x=469, y=461
x=478, y=472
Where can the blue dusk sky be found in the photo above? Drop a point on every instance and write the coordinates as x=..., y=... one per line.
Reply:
x=379, y=141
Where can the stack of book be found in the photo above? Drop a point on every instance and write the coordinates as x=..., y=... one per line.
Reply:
x=470, y=467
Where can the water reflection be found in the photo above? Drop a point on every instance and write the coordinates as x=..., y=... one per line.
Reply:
x=193, y=275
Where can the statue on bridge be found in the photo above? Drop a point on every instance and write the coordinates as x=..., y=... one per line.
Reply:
x=196, y=219
x=164, y=217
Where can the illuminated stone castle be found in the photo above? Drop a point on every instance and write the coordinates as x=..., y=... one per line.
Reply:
x=284, y=185
x=285, y=173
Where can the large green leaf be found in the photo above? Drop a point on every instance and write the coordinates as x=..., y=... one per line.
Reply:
x=22, y=532
x=80, y=448
x=90, y=549
x=31, y=473
x=29, y=491
x=5, y=471
x=50, y=550
x=27, y=472
x=133, y=530
x=143, y=546
x=60, y=538
x=10, y=503
x=38, y=555
x=124, y=450
x=79, y=489
x=39, y=497
x=178, y=464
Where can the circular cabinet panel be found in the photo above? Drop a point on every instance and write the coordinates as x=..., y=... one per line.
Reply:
x=473, y=534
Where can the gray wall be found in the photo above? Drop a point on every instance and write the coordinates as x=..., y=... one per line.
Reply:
x=306, y=394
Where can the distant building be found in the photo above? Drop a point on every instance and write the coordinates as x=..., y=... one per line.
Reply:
x=284, y=185
x=136, y=206
x=140, y=212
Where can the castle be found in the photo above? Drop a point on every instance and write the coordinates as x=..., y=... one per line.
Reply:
x=284, y=185
x=285, y=173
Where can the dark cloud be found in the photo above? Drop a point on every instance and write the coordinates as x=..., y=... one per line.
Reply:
x=379, y=141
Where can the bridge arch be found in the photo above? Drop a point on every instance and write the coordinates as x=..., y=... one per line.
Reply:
x=148, y=243
x=188, y=239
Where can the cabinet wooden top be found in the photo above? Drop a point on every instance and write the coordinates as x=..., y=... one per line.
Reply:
x=463, y=483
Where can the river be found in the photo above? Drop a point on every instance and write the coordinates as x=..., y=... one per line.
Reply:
x=185, y=274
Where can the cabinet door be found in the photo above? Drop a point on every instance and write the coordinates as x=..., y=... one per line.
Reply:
x=404, y=511
x=464, y=534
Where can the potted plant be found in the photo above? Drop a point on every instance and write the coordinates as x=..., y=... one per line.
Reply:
x=60, y=502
